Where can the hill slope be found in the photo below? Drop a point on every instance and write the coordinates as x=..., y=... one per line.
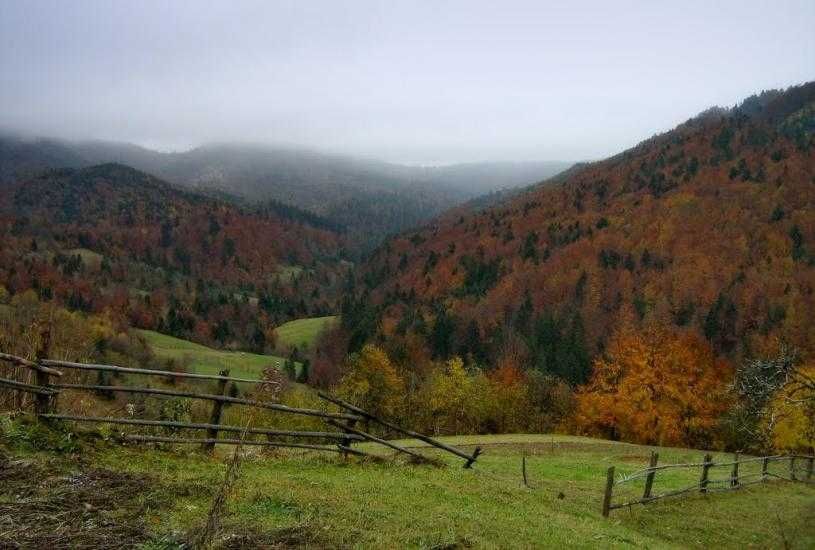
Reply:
x=111, y=238
x=295, y=498
x=709, y=227
x=372, y=199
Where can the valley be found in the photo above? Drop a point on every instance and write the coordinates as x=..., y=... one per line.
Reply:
x=393, y=275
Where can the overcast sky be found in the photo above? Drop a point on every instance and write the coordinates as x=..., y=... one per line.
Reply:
x=426, y=82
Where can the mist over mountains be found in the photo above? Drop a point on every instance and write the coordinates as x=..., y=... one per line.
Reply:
x=370, y=199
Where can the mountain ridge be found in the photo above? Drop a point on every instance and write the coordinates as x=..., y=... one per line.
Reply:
x=707, y=227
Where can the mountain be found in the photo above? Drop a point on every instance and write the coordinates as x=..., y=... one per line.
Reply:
x=110, y=238
x=707, y=228
x=23, y=157
x=370, y=199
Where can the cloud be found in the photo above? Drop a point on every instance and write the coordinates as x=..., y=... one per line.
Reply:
x=434, y=81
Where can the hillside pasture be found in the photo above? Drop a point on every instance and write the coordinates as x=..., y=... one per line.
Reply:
x=302, y=332
x=201, y=359
x=302, y=499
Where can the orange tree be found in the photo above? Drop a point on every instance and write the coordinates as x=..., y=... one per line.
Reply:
x=655, y=387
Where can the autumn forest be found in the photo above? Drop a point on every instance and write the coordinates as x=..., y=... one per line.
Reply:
x=641, y=298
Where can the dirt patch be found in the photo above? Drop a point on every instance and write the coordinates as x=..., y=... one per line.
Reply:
x=43, y=507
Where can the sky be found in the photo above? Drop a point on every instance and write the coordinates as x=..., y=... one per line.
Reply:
x=425, y=82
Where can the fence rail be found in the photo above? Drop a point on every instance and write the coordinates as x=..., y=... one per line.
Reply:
x=46, y=392
x=735, y=479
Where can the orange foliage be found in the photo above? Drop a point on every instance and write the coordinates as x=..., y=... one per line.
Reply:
x=708, y=226
x=655, y=387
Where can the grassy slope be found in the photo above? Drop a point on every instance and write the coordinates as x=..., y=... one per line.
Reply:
x=302, y=332
x=207, y=360
x=322, y=501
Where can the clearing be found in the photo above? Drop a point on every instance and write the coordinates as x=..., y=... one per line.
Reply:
x=302, y=332
x=204, y=360
x=289, y=498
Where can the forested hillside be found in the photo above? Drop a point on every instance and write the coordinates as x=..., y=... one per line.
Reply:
x=675, y=261
x=110, y=239
x=369, y=199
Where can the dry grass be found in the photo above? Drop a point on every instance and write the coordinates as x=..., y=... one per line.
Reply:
x=42, y=506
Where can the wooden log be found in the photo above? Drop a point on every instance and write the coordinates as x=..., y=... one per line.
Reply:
x=649, y=478
x=369, y=437
x=734, y=474
x=42, y=401
x=608, y=491
x=28, y=388
x=210, y=397
x=429, y=440
x=476, y=454
x=346, y=428
x=217, y=410
x=200, y=426
x=196, y=441
x=164, y=373
x=20, y=362
x=703, y=480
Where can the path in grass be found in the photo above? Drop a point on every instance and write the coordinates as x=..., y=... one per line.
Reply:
x=207, y=360
x=302, y=332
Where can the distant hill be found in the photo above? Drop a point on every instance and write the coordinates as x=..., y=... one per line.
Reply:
x=480, y=178
x=370, y=199
x=709, y=227
x=112, y=238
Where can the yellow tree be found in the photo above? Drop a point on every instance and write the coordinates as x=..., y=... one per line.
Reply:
x=372, y=382
x=791, y=416
x=446, y=395
x=655, y=387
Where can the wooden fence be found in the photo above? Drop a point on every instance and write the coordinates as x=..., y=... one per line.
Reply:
x=799, y=468
x=46, y=394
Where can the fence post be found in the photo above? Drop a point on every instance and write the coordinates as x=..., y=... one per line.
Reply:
x=649, y=479
x=765, y=466
x=792, y=468
x=810, y=467
x=347, y=442
x=217, y=411
x=734, y=476
x=708, y=463
x=609, y=488
x=42, y=403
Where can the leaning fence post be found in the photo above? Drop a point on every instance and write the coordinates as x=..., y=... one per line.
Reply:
x=649, y=479
x=609, y=488
x=42, y=403
x=705, y=467
x=734, y=476
x=217, y=411
x=347, y=442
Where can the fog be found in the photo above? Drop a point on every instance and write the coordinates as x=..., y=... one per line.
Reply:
x=414, y=82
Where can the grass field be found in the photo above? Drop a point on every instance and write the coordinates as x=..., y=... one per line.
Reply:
x=302, y=332
x=207, y=360
x=88, y=256
x=302, y=499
